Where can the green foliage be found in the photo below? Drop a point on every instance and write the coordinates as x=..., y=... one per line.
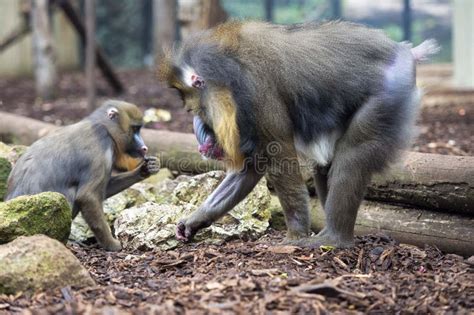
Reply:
x=394, y=31
x=5, y=169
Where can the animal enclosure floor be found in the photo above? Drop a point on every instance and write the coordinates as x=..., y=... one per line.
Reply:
x=377, y=276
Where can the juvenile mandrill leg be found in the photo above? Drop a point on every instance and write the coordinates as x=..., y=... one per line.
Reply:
x=234, y=188
x=122, y=181
x=92, y=212
x=293, y=195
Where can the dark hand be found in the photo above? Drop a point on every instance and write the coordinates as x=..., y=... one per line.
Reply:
x=187, y=228
x=150, y=166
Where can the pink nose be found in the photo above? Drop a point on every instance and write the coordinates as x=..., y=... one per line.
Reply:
x=144, y=149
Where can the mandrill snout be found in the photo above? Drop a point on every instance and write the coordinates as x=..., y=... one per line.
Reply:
x=208, y=146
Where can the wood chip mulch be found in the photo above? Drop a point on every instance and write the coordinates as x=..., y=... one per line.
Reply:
x=377, y=276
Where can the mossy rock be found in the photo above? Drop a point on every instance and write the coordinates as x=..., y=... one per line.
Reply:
x=5, y=169
x=38, y=263
x=46, y=213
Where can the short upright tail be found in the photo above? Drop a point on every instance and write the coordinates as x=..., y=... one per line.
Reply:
x=425, y=50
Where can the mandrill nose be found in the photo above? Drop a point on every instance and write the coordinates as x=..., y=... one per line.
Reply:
x=144, y=149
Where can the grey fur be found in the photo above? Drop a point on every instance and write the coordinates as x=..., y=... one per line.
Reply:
x=309, y=82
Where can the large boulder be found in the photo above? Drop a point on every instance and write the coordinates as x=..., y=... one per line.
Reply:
x=37, y=263
x=46, y=213
x=152, y=225
x=149, y=226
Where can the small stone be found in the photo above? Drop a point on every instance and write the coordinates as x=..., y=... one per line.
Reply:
x=470, y=261
x=375, y=253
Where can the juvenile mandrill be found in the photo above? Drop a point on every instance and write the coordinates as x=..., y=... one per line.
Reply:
x=78, y=160
x=339, y=95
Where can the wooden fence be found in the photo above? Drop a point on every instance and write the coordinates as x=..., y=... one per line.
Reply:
x=17, y=59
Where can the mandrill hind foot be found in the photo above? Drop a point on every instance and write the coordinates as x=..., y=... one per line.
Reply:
x=112, y=245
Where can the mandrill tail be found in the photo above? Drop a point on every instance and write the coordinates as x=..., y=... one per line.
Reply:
x=425, y=50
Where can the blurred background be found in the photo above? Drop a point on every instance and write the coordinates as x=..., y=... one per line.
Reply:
x=50, y=71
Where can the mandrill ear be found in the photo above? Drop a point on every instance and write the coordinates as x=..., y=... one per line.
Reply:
x=112, y=113
x=197, y=81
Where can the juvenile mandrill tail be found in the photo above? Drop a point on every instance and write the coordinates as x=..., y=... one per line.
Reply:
x=425, y=50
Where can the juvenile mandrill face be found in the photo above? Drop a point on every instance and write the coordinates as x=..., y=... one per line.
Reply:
x=124, y=121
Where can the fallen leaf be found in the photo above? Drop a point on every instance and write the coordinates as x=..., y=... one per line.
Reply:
x=326, y=248
x=264, y=272
x=214, y=286
x=284, y=249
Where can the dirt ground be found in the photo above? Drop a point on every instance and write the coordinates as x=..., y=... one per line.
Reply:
x=378, y=276
x=257, y=277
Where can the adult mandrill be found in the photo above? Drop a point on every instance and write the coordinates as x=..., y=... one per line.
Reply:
x=78, y=160
x=340, y=95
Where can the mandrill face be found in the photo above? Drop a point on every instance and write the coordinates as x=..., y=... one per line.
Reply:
x=221, y=127
x=192, y=90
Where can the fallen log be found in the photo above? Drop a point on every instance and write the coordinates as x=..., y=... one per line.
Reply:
x=177, y=151
x=432, y=181
x=437, y=182
x=450, y=233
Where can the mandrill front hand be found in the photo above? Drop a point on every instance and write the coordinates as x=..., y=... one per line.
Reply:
x=187, y=228
x=150, y=166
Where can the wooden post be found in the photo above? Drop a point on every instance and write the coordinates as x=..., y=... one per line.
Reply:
x=196, y=15
x=406, y=20
x=165, y=25
x=336, y=9
x=90, y=54
x=463, y=43
x=269, y=10
x=44, y=53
